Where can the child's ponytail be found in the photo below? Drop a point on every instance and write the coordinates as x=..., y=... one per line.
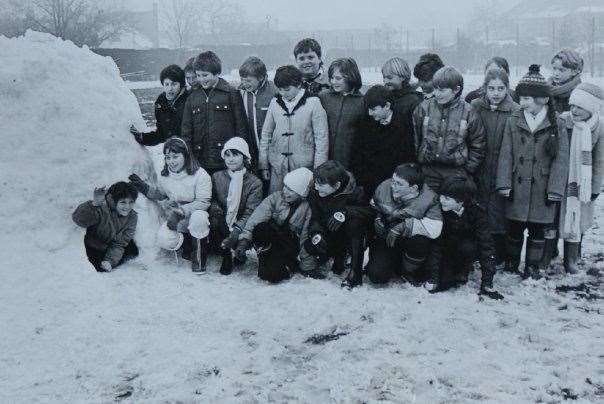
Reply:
x=552, y=144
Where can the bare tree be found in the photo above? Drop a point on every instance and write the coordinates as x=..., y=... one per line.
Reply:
x=82, y=21
x=182, y=21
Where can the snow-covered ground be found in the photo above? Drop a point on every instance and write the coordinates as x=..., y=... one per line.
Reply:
x=152, y=332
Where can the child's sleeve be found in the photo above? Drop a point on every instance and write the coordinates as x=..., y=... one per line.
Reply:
x=86, y=214
x=597, y=178
x=418, y=121
x=321, y=134
x=203, y=193
x=186, y=128
x=261, y=214
x=115, y=252
x=254, y=198
x=477, y=142
x=558, y=175
x=268, y=128
x=241, y=127
x=506, y=160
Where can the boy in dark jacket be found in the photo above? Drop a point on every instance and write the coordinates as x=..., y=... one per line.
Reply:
x=308, y=58
x=110, y=225
x=169, y=108
x=383, y=142
x=408, y=220
x=340, y=220
x=449, y=136
x=464, y=237
x=212, y=114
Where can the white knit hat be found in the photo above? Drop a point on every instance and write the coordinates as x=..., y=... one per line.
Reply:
x=299, y=181
x=169, y=239
x=236, y=143
x=588, y=96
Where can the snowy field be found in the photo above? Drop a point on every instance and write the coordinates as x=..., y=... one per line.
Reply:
x=152, y=332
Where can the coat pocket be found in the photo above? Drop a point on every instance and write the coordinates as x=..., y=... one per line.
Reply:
x=222, y=112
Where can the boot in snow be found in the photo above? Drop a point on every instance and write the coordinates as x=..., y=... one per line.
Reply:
x=411, y=268
x=200, y=255
x=514, y=250
x=571, y=257
x=534, y=255
x=486, y=286
x=227, y=263
x=548, y=252
x=354, y=277
x=339, y=264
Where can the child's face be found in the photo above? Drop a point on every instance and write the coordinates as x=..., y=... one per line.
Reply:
x=445, y=94
x=174, y=161
x=290, y=196
x=289, y=92
x=392, y=81
x=401, y=190
x=447, y=203
x=233, y=160
x=496, y=91
x=206, y=79
x=379, y=112
x=326, y=189
x=561, y=74
x=533, y=105
x=171, y=88
x=190, y=78
x=579, y=114
x=308, y=63
x=124, y=206
x=338, y=82
x=250, y=83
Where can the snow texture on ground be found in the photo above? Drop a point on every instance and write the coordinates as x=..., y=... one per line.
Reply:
x=152, y=332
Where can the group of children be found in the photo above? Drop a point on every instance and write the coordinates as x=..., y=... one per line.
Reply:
x=308, y=170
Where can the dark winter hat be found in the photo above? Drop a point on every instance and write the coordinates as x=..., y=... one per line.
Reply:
x=462, y=189
x=174, y=73
x=533, y=84
x=427, y=65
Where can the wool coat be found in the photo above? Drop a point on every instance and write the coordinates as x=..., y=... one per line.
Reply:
x=262, y=98
x=168, y=119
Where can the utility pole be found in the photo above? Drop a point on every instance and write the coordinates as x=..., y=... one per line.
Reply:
x=155, y=24
x=593, y=46
x=433, y=39
x=517, y=47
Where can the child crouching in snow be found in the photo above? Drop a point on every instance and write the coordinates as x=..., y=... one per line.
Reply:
x=236, y=193
x=110, y=225
x=184, y=191
x=586, y=168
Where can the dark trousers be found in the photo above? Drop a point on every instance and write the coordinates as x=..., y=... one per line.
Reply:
x=435, y=174
x=96, y=256
x=387, y=262
x=279, y=260
x=219, y=230
x=516, y=230
x=339, y=242
x=456, y=258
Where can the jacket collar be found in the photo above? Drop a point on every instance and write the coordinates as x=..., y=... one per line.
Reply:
x=521, y=122
x=301, y=102
x=504, y=106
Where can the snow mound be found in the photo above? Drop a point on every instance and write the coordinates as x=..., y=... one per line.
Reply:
x=66, y=114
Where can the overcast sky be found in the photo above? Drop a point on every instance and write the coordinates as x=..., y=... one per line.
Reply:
x=341, y=14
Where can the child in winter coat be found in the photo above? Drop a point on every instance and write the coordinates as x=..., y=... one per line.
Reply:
x=494, y=108
x=496, y=62
x=184, y=191
x=110, y=224
x=586, y=168
x=408, y=220
x=567, y=66
x=236, y=192
x=396, y=74
x=449, y=136
x=465, y=236
x=169, y=108
x=345, y=108
x=384, y=141
x=213, y=114
x=531, y=173
x=278, y=228
x=340, y=220
x=295, y=132
x=307, y=53
x=427, y=65
x=256, y=91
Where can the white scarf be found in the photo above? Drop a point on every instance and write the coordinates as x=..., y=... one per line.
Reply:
x=578, y=190
x=234, y=196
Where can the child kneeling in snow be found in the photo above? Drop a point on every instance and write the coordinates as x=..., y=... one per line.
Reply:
x=110, y=225
x=236, y=193
x=464, y=237
x=278, y=228
x=184, y=191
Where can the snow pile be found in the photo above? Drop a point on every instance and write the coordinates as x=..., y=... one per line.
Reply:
x=66, y=114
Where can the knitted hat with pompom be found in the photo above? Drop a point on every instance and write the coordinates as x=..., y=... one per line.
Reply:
x=533, y=84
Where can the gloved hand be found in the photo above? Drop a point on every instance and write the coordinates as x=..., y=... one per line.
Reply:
x=242, y=247
x=380, y=227
x=505, y=193
x=231, y=241
x=403, y=229
x=594, y=197
x=106, y=266
x=98, y=196
x=138, y=136
x=336, y=221
x=316, y=245
x=139, y=184
x=173, y=218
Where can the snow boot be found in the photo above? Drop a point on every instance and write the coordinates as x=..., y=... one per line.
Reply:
x=548, y=252
x=227, y=263
x=354, y=277
x=571, y=257
x=486, y=286
x=411, y=268
x=500, y=250
x=200, y=255
x=187, y=246
x=339, y=264
x=514, y=250
x=534, y=255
